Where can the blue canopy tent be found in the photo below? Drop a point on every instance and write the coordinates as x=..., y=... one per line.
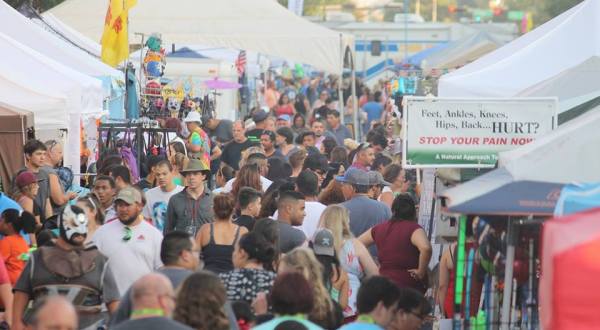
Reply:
x=577, y=198
x=416, y=59
x=500, y=193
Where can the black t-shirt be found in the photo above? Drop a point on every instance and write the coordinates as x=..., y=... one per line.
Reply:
x=232, y=153
x=245, y=221
x=224, y=131
x=254, y=135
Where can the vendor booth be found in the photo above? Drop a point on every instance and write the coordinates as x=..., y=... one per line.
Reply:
x=16, y=127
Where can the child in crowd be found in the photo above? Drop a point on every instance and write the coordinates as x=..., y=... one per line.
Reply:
x=13, y=247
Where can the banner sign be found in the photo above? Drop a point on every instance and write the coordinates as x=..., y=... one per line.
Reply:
x=453, y=132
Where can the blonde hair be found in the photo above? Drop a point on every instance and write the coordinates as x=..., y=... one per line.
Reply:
x=337, y=219
x=303, y=261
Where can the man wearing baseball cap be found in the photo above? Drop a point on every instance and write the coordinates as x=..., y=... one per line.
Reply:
x=364, y=212
x=376, y=183
x=260, y=121
x=131, y=243
x=283, y=121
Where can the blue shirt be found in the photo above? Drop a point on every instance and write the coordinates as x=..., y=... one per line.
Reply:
x=365, y=213
x=374, y=111
x=361, y=326
x=341, y=133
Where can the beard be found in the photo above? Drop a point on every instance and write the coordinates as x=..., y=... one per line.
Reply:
x=128, y=221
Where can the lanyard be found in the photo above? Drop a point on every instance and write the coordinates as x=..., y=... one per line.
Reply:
x=364, y=318
x=195, y=204
x=148, y=311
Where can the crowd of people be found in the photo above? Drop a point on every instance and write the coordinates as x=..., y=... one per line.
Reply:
x=282, y=220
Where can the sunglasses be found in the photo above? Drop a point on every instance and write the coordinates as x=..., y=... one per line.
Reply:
x=128, y=234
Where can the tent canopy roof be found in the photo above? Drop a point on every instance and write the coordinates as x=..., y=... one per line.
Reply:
x=573, y=86
x=20, y=28
x=259, y=25
x=461, y=51
x=526, y=61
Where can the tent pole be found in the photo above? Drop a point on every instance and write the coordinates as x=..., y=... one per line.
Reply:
x=341, y=79
x=508, y=275
x=354, y=98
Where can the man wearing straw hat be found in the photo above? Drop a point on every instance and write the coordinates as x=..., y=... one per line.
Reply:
x=192, y=207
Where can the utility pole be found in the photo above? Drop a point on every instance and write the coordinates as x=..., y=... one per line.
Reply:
x=434, y=11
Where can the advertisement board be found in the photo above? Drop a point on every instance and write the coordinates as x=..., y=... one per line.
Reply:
x=467, y=133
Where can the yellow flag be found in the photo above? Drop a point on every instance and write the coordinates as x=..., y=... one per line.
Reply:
x=115, y=41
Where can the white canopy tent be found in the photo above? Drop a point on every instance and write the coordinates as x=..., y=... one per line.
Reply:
x=82, y=41
x=20, y=28
x=564, y=42
x=263, y=26
x=28, y=73
x=574, y=87
x=568, y=154
x=461, y=52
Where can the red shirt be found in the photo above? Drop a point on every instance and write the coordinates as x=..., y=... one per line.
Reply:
x=396, y=253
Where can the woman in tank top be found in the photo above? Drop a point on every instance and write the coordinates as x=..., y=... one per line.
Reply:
x=217, y=240
x=354, y=256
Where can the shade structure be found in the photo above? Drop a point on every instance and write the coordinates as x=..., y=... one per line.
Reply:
x=570, y=270
x=259, y=25
x=500, y=193
x=14, y=124
x=89, y=45
x=221, y=84
x=31, y=73
x=577, y=198
x=567, y=154
x=573, y=87
x=416, y=59
x=561, y=43
x=20, y=28
x=460, y=52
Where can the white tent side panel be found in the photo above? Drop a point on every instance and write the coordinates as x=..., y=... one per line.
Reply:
x=259, y=25
x=546, y=51
x=20, y=28
x=29, y=69
x=567, y=154
x=49, y=110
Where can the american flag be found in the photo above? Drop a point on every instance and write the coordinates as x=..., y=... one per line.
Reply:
x=240, y=63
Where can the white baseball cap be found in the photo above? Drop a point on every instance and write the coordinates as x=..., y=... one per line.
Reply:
x=193, y=117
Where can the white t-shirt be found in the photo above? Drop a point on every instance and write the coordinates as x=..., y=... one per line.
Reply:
x=156, y=205
x=131, y=259
x=311, y=220
x=266, y=183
